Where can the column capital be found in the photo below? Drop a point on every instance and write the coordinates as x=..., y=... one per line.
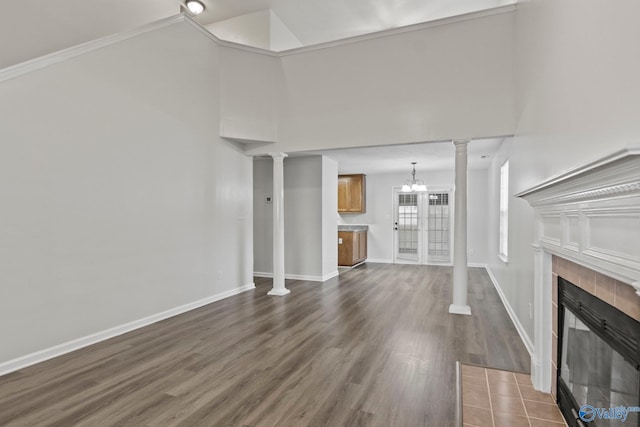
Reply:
x=459, y=143
x=278, y=156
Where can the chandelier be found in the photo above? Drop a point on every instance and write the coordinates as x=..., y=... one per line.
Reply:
x=413, y=185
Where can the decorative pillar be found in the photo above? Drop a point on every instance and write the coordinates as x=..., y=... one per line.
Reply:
x=278, y=225
x=459, y=305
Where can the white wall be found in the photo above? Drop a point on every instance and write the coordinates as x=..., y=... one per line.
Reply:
x=379, y=214
x=248, y=92
x=303, y=216
x=329, y=218
x=263, y=215
x=32, y=28
x=310, y=206
x=119, y=200
x=435, y=83
x=578, y=99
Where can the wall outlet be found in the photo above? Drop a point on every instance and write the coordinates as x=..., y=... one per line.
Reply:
x=219, y=274
x=339, y=240
x=530, y=311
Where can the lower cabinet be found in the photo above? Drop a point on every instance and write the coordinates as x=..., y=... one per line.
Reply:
x=353, y=249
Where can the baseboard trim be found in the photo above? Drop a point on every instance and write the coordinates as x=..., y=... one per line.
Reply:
x=443, y=263
x=330, y=276
x=298, y=276
x=514, y=319
x=69, y=346
x=460, y=309
x=476, y=265
x=380, y=261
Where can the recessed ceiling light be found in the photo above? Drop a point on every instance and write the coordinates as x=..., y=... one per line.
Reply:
x=195, y=7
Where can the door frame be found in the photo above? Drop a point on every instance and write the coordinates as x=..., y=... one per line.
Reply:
x=423, y=239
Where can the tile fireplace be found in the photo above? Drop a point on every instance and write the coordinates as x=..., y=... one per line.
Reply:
x=587, y=249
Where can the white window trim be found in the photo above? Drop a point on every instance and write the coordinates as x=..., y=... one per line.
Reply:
x=503, y=227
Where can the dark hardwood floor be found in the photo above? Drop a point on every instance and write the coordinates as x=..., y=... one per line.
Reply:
x=374, y=347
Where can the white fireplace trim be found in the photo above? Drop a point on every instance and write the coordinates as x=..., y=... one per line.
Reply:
x=636, y=286
x=589, y=215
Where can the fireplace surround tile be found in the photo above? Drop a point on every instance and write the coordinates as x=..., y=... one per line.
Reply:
x=620, y=295
x=508, y=404
x=530, y=393
x=588, y=280
x=626, y=300
x=496, y=398
x=605, y=288
x=473, y=371
x=476, y=416
x=554, y=319
x=510, y=420
x=503, y=388
x=544, y=423
x=544, y=411
x=523, y=378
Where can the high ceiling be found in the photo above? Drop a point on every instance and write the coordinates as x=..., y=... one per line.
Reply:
x=317, y=21
x=398, y=158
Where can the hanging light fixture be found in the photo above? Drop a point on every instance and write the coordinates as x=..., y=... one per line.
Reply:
x=196, y=7
x=414, y=185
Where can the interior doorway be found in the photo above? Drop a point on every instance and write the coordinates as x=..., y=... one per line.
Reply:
x=423, y=226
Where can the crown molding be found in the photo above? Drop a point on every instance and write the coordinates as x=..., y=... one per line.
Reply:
x=614, y=175
x=41, y=62
x=226, y=43
x=35, y=64
x=401, y=30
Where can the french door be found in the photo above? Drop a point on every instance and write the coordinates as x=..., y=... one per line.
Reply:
x=422, y=227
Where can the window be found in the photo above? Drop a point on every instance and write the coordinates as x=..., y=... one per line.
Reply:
x=504, y=211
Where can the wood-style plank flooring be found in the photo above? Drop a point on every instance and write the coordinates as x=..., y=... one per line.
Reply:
x=373, y=347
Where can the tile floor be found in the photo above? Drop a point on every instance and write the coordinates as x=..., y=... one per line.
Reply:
x=495, y=398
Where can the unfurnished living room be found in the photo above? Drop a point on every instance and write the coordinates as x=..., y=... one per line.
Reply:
x=320, y=213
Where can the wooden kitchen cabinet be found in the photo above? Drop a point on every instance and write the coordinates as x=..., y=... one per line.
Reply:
x=352, y=193
x=353, y=249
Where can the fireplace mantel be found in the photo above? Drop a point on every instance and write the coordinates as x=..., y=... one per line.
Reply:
x=589, y=215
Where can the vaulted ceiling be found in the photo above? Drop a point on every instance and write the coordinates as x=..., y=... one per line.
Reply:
x=32, y=28
x=317, y=21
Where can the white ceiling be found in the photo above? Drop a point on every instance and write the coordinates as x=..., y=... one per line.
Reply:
x=317, y=21
x=398, y=158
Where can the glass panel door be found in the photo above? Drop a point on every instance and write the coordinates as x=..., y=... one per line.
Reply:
x=438, y=230
x=407, y=227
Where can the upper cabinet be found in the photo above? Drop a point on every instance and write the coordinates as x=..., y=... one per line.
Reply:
x=351, y=193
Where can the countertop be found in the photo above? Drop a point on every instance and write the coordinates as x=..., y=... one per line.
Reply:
x=352, y=227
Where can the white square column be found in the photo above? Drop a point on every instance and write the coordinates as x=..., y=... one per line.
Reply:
x=459, y=305
x=278, y=225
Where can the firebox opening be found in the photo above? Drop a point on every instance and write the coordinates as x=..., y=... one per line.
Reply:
x=598, y=358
